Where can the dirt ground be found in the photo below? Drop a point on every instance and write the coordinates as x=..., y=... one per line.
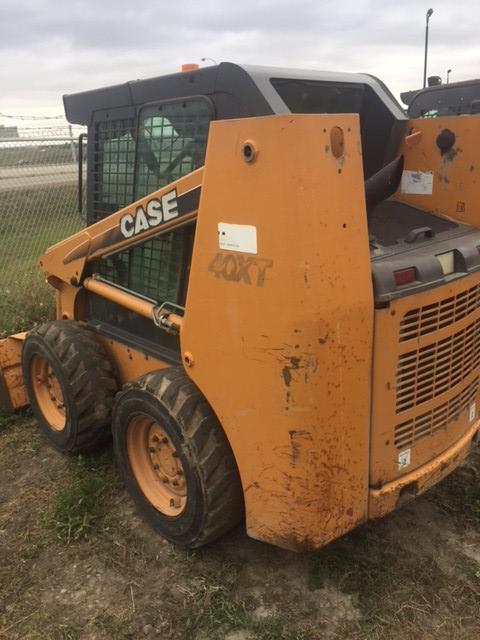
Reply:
x=77, y=563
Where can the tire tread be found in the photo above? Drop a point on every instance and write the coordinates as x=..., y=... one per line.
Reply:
x=224, y=505
x=90, y=377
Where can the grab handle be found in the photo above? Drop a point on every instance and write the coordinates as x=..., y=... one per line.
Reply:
x=415, y=234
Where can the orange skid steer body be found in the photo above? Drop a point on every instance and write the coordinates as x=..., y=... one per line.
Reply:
x=327, y=344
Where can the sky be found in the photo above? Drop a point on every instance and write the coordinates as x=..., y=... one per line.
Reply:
x=50, y=47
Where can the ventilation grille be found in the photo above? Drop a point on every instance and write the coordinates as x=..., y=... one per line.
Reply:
x=427, y=424
x=435, y=368
x=432, y=317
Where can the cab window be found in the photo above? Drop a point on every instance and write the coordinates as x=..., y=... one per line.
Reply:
x=171, y=142
x=172, y=139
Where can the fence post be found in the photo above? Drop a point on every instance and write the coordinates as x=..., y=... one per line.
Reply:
x=72, y=143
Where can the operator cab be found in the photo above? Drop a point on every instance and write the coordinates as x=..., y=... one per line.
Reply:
x=147, y=133
x=143, y=134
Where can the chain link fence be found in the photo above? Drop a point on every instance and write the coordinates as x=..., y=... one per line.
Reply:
x=39, y=169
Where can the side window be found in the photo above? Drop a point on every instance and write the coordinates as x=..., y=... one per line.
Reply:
x=171, y=142
x=156, y=268
x=114, y=163
x=172, y=139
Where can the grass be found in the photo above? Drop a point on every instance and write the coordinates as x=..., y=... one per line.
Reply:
x=36, y=154
x=215, y=607
x=226, y=613
x=73, y=552
x=460, y=497
x=78, y=508
x=381, y=576
x=25, y=302
x=402, y=589
x=8, y=421
x=472, y=502
x=70, y=521
x=30, y=222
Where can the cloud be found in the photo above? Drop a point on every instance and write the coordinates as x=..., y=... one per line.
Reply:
x=49, y=48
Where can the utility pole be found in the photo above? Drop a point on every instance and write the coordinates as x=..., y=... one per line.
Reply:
x=428, y=16
x=448, y=75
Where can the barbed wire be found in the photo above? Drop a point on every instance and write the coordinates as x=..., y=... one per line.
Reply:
x=24, y=117
x=49, y=127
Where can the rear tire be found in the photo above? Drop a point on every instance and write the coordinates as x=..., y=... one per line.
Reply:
x=70, y=385
x=175, y=458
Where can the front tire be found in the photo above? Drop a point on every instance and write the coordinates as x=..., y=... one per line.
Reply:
x=176, y=460
x=70, y=385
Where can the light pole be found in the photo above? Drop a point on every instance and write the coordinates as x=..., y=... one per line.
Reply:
x=448, y=75
x=209, y=59
x=429, y=13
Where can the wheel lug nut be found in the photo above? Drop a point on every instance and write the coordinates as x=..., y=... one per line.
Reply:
x=175, y=483
x=172, y=502
x=165, y=479
x=165, y=440
x=155, y=438
x=175, y=454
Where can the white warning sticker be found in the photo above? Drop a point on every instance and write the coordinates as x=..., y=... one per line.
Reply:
x=237, y=237
x=472, y=411
x=404, y=458
x=417, y=183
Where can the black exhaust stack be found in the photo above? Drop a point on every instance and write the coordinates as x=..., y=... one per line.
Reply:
x=383, y=184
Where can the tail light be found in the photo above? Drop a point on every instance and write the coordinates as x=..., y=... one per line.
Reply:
x=404, y=276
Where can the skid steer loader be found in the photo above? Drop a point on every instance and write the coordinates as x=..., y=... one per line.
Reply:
x=262, y=310
x=441, y=154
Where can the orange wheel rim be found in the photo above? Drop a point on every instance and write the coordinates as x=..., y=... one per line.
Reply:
x=48, y=393
x=156, y=466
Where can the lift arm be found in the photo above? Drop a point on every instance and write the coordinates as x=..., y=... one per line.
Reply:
x=170, y=206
